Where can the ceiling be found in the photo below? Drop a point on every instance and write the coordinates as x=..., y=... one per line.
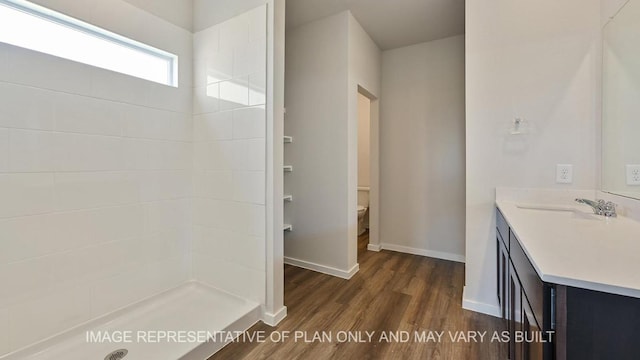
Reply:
x=177, y=12
x=390, y=23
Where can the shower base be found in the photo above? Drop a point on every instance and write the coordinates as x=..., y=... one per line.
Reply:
x=191, y=309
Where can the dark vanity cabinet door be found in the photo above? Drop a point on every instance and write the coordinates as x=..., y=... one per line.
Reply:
x=502, y=280
x=526, y=341
x=599, y=326
x=533, y=343
x=537, y=306
x=515, y=315
x=502, y=265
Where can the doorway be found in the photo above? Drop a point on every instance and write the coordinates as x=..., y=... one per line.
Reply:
x=367, y=172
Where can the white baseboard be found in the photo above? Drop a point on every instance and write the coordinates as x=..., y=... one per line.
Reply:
x=374, y=247
x=422, y=252
x=348, y=274
x=484, y=308
x=273, y=319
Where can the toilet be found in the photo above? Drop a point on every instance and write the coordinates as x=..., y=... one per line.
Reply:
x=363, y=209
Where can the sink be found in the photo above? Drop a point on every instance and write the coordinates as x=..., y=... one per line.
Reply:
x=547, y=207
x=575, y=212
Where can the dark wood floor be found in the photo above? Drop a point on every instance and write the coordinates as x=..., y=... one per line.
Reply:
x=391, y=292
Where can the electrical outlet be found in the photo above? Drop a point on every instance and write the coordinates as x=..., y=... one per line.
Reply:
x=564, y=173
x=633, y=174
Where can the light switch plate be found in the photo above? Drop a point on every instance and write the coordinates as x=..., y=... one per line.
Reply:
x=564, y=173
x=633, y=174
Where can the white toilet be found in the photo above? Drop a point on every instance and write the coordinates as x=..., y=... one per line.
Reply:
x=363, y=209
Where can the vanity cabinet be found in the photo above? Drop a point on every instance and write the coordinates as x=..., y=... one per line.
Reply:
x=549, y=321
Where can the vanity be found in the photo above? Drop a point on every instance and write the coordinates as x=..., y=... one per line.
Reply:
x=568, y=282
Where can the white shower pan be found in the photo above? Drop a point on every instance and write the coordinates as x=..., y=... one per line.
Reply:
x=191, y=307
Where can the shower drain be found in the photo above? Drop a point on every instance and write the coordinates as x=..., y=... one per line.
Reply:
x=117, y=354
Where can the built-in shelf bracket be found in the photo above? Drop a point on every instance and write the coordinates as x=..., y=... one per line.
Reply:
x=288, y=168
x=288, y=227
x=288, y=139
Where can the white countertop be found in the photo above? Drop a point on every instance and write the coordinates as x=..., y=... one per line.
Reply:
x=577, y=248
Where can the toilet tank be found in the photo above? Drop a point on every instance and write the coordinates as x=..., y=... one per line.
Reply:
x=363, y=196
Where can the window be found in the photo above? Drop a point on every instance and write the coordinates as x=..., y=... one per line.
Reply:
x=34, y=27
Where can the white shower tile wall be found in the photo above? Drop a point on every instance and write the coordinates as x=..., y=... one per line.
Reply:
x=95, y=186
x=229, y=155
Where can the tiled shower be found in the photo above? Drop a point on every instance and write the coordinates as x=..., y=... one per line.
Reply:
x=115, y=189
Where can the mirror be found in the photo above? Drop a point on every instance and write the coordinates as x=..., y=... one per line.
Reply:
x=621, y=103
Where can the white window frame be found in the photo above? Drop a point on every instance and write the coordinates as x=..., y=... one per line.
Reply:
x=101, y=35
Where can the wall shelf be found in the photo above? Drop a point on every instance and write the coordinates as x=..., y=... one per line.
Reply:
x=287, y=169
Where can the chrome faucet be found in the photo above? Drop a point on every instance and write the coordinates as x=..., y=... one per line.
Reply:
x=600, y=207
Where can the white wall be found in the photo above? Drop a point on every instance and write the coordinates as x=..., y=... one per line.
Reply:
x=275, y=310
x=326, y=62
x=422, y=149
x=539, y=61
x=609, y=8
x=95, y=182
x=317, y=105
x=229, y=155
